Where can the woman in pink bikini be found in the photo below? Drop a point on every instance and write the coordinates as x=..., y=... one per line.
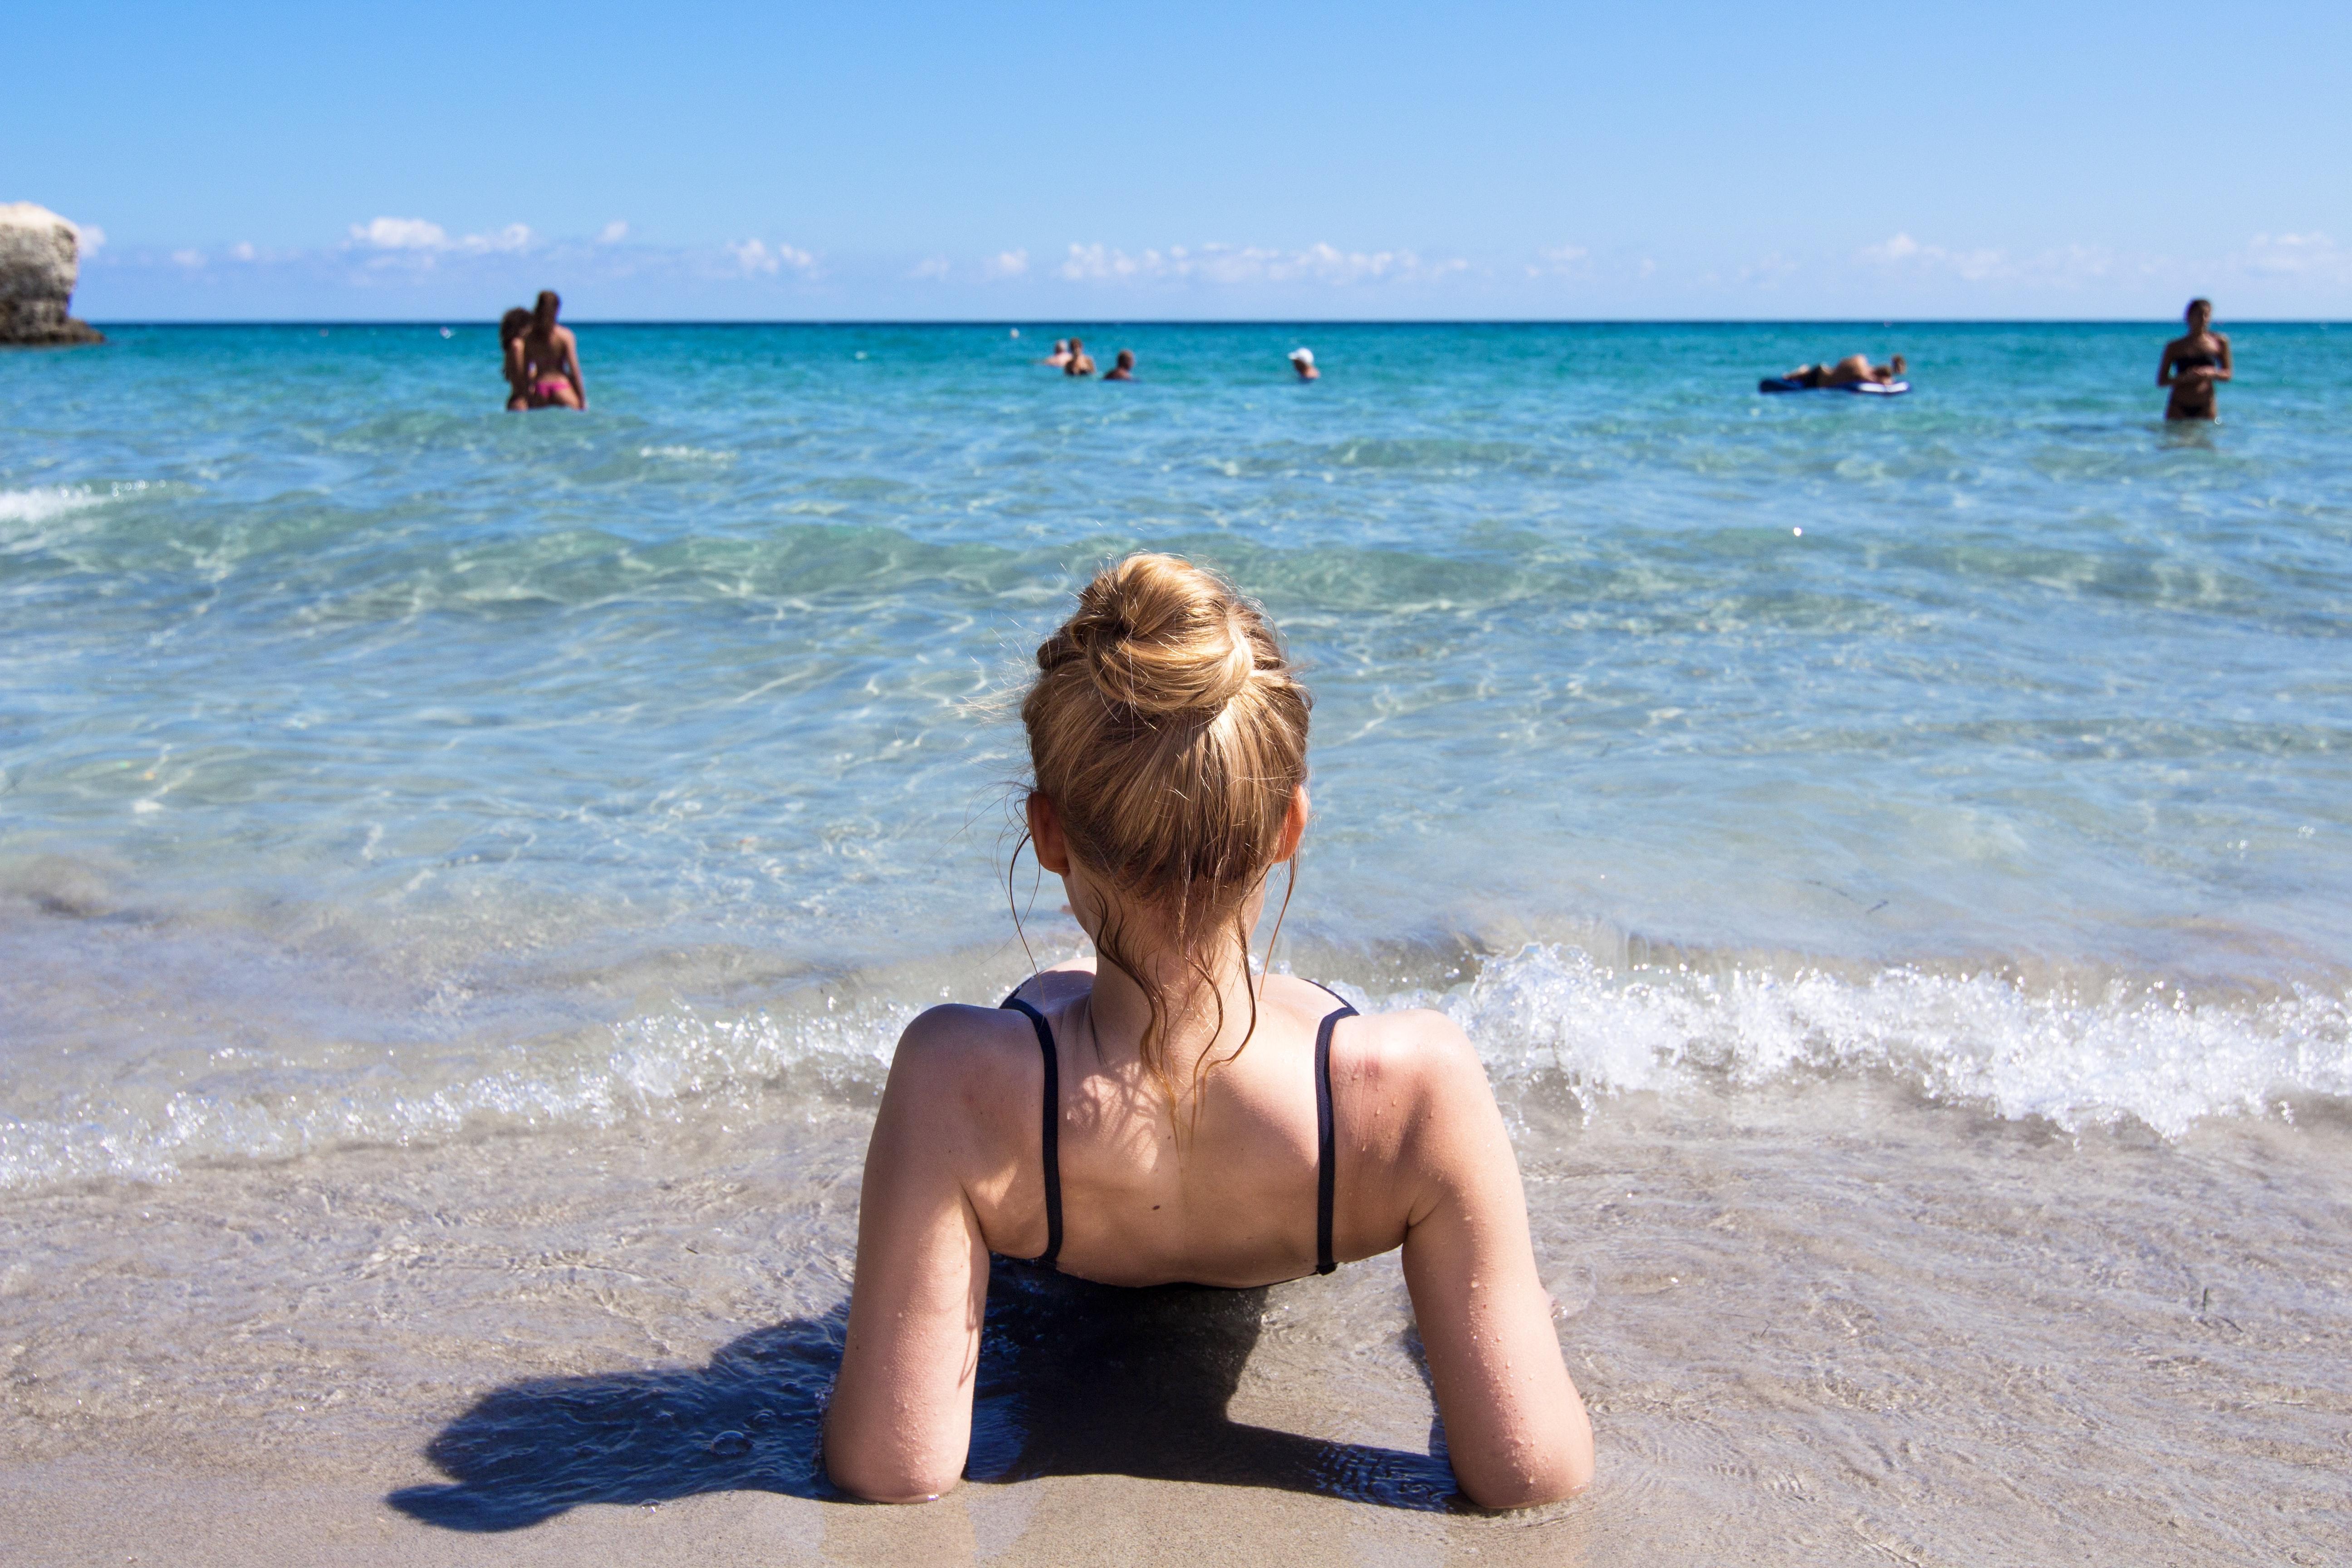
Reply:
x=550, y=358
x=1168, y=1113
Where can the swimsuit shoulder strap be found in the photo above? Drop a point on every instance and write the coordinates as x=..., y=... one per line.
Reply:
x=1326, y=1163
x=1053, y=1137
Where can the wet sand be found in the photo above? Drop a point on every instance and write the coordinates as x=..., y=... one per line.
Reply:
x=1818, y=1324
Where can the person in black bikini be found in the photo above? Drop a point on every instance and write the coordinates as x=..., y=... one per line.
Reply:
x=1169, y=1113
x=2192, y=364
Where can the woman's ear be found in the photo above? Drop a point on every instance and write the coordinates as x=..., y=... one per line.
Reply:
x=1045, y=834
x=1294, y=827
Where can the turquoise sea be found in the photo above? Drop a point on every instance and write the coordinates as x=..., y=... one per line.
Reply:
x=348, y=718
x=380, y=771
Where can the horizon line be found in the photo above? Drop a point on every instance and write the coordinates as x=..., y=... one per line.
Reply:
x=1880, y=322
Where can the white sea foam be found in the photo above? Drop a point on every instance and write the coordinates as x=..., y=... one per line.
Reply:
x=1542, y=1018
x=2141, y=1049
x=663, y=1067
x=43, y=502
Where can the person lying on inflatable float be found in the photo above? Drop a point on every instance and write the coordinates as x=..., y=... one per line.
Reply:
x=1853, y=373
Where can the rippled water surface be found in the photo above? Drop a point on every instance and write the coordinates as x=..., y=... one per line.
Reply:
x=1894, y=856
x=374, y=759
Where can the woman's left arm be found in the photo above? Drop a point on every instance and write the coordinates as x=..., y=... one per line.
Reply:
x=1515, y=1429
x=2224, y=374
x=900, y=1421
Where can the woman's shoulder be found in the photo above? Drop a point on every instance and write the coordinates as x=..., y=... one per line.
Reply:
x=1414, y=1095
x=960, y=1033
x=967, y=1057
x=1416, y=1048
x=1419, y=1047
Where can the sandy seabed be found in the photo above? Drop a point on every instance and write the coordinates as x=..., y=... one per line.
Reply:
x=1826, y=1324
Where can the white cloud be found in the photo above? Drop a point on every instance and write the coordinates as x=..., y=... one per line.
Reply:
x=421, y=235
x=2297, y=256
x=243, y=251
x=1231, y=264
x=614, y=232
x=1767, y=272
x=931, y=268
x=401, y=234
x=2063, y=265
x=514, y=237
x=1902, y=250
x=89, y=240
x=189, y=259
x=1559, y=260
x=754, y=257
x=1008, y=264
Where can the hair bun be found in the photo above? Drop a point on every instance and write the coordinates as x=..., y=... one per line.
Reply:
x=1159, y=636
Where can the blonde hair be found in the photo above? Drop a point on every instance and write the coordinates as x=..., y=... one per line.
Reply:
x=1169, y=730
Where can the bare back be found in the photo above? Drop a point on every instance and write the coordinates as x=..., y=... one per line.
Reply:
x=551, y=357
x=956, y=1172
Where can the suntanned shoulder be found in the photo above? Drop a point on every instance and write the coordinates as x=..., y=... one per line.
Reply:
x=969, y=1061
x=1424, y=1077
x=1423, y=1047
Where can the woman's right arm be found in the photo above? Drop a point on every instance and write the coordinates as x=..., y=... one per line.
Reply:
x=1515, y=1427
x=900, y=1420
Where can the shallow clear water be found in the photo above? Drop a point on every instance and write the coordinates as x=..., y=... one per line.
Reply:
x=478, y=866
x=374, y=760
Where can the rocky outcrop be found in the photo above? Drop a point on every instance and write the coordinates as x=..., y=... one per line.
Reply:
x=40, y=256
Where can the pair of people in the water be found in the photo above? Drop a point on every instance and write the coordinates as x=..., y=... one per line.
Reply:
x=541, y=359
x=1848, y=371
x=1070, y=357
x=2193, y=364
x=1170, y=1111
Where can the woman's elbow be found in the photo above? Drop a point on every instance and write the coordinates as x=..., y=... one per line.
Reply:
x=887, y=1482
x=1553, y=1477
x=887, y=1470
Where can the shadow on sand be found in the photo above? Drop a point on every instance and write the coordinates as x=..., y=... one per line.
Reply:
x=1075, y=1379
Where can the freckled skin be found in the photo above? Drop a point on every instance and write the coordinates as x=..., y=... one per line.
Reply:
x=953, y=1173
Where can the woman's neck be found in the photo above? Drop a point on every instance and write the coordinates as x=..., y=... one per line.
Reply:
x=1203, y=1019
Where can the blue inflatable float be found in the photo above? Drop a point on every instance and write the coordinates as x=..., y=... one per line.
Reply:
x=1868, y=388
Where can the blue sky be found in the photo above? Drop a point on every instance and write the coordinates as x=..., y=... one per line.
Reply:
x=1033, y=162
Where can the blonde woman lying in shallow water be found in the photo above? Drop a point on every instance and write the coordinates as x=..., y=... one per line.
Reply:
x=1161, y=1116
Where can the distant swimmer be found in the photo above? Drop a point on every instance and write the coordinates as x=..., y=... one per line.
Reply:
x=1125, y=368
x=1847, y=372
x=1060, y=357
x=1081, y=363
x=551, y=356
x=2193, y=364
x=511, y=328
x=1303, y=362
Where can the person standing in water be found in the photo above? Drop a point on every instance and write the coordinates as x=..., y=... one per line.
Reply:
x=552, y=357
x=511, y=328
x=2193, y=364
x=1081, y=363
x=1303, y=362
x=1061, y=354
x=1168, y=1112
x=1124, y=369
